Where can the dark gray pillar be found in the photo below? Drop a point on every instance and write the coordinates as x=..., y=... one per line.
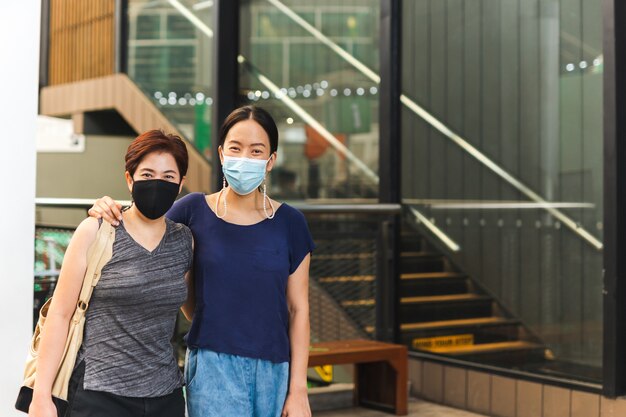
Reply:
x=614, y=363
x=387, y=307
x=226, y=72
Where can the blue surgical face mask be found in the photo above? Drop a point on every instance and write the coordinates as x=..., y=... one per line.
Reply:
x=244, y=175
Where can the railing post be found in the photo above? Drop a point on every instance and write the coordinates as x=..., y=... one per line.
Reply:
x=386, y=305
x=225, y=72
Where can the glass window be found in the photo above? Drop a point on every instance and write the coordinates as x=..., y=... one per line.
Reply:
x=520, y=187
x=170, y=59
x=148, y=27
x=325, y=108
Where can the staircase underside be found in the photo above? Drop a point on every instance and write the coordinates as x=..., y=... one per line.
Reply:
x=119, y=93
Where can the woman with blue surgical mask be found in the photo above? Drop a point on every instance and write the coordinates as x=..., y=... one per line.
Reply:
x=249, y=338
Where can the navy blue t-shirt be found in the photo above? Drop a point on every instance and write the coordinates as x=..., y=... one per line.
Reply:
x=241, y=275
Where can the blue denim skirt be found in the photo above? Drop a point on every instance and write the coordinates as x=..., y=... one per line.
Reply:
x=222, y=385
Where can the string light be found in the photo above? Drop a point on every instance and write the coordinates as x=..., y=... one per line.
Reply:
x=306, y=91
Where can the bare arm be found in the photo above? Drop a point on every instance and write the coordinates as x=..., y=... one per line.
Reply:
x=107, y=209
x=60, y=313
x=297, y=403
x=189, y=306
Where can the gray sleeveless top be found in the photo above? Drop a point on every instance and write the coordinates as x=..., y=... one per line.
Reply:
x=130, y=321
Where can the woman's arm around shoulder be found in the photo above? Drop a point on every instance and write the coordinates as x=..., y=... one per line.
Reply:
x=189, y=306
x=184, y=208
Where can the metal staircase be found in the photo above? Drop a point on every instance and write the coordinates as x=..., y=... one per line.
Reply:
x=444, y=311
x=441, y=309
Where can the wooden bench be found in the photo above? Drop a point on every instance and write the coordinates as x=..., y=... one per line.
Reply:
x=381, y=371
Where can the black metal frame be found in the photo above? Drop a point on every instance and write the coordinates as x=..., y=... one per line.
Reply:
x=225, y=72
x=387, y=307
x=389, y=105
x=44, y=44
x=614, y=294
x=121, y=36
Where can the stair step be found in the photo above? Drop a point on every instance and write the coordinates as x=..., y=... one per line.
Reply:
x=410, y=242
x=443, y=298
x=359, y=303
x=431, y=275
x=486, y=348
x=449, y=309
x=425, y=286
x=478, y=321
x=420, y=254
x=414, y=262
x=348, y=278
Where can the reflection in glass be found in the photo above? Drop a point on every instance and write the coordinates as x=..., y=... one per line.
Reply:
x=170, y=59
x=323, y=85
x=521, y=81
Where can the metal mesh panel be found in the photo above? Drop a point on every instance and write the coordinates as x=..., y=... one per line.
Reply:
x=343, y=276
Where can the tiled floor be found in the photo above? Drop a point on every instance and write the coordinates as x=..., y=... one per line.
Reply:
x=417, y=408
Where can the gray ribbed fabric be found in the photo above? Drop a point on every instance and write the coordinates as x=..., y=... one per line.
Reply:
x=130, y=321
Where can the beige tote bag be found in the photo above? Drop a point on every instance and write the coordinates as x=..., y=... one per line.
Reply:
x=98, y=255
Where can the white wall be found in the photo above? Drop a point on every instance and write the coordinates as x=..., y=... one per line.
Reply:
x=19, y=54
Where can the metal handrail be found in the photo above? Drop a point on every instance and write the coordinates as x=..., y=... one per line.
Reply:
x=444, y=238
x=76, y=203
x=452, y=204
x=304, y=206
x=348, y=208
x=442, y=128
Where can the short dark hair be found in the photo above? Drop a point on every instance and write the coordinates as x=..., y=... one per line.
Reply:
x=259, y=115
x=157, y=141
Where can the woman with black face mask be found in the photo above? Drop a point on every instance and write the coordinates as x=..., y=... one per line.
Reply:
x=127, y=365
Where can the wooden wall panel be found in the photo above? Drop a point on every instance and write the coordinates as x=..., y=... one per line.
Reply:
x=82, y=40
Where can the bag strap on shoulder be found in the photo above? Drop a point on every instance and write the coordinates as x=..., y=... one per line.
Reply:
x=98, y=254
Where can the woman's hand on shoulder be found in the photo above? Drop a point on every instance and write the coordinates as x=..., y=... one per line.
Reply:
x=107, y=209
x=297, y=404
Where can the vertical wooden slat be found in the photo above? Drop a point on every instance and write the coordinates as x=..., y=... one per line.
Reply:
x=69, y=10
x=81, y=40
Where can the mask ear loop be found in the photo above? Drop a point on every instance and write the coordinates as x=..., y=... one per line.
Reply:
x=217, y=202
x=266, y=198
x=132, y=200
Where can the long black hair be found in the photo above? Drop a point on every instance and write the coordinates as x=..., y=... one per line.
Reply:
x=259, y=115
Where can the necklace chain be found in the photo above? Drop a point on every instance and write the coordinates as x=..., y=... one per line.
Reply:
x=265, y=198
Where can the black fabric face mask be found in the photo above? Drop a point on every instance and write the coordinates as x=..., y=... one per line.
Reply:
x=154, y=198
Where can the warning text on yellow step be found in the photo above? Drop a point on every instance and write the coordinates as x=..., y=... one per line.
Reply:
x=325, y=372
x=434, y=344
